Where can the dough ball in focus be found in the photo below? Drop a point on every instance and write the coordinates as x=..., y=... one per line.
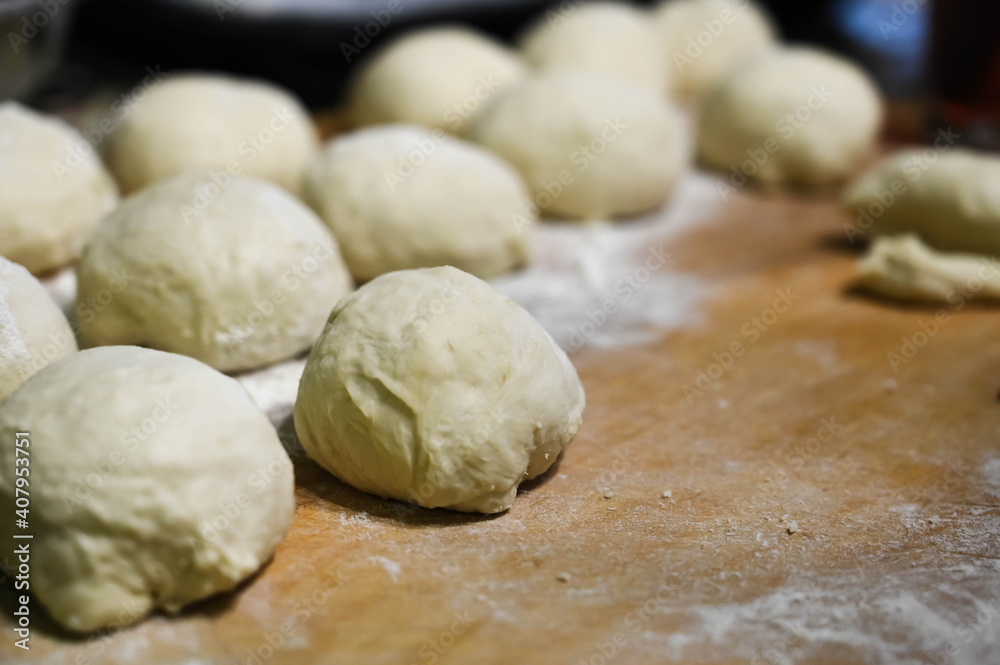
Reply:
x=200, y=122
x=155, y=482
x=430, y=387
x=237, y=276
x=33, y=330
x=53, y=189
x=795, y=116
x=439, y=78
x=402, y=196
x=588, y=145
x=601, y=37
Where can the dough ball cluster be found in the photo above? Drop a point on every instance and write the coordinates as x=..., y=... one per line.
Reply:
x=430, y=387
x=54, y=189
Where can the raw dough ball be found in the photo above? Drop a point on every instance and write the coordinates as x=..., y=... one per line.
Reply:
x=588, y=145
x=902, y=267
x=704, y=39
x=33, y=330
x=237, y=277
x=54, y=189
x=155, y=482
x=950, y=199
x=791, y=116
x=428, y=386
x=402, y=196
x=600, y=37
x=199, y=122
x=440, y=78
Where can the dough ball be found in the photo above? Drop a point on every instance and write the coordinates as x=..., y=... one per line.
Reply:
x=704, y=39
x=588, y=145
x=793, y=116
x=33, y=330
x=200, y=122
x=439, y=78
x=600, y=37
x=155, y=482
x=430, y=387
x=236, y=276
x=54, y=189
x=904, y=268
x=402, y=196
x=950, y=199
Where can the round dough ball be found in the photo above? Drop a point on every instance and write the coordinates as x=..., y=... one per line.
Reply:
x=600, y=37
x=439, y=78
x=428, y=386
x=795, y=116
x=155, y=482
x=704, y=39
x=198, y=122
x=588, y=145
x=33, y=330
x=402, y=196
x=237, y=276
x=54, y=189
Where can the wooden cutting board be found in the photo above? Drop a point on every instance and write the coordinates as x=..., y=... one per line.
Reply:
x=822, y=506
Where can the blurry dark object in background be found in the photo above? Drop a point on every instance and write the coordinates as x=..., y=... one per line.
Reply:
x=33, y=37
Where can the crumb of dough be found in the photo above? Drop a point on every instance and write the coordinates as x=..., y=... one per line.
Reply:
x=612, y=508
x=667, y=494
x=793, y=526
x=890, y=385
x=609, y=494
x=563, y=577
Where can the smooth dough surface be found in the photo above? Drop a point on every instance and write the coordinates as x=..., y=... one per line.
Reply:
x=33, y=330
x=430, y=387
x=791, y=116
x=904, y=268
x=601, y=37
x=588, y=145
x=238, y=277
x=199, y=122
x=440, y=78
x=135, y=456
x=453, y=204
x=54, y=189
x=950, y=199
x=704, y=39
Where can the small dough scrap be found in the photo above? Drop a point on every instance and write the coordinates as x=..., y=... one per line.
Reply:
x=950, y=199
x=155, y=482
x=33, y=330
x=904, y=268
x=429, y=386
x=53, y=189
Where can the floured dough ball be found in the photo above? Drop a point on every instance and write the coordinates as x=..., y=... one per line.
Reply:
x=950, y=199
x=792, y=116
x=237, y=276
x=588, y=145
x=200, y=122
x=402, y=196
x=54, y=189
x=600, y=37
x=438, y=77
x=430, y=387
x=33, y=330
x=155, y=482
x=704, y=39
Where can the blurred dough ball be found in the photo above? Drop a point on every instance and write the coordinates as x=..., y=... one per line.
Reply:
x=155, y=482
x=403, y=196
x=600, y=37
x=588, y=145
x=237, y=276
x=33, y=330
x=705, y=38
x=438, y=77
x=53, y=189
x=795, y=116
x=431, y=387
x=199, y=122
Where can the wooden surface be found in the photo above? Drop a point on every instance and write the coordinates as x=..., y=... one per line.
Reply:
x=896, y=556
